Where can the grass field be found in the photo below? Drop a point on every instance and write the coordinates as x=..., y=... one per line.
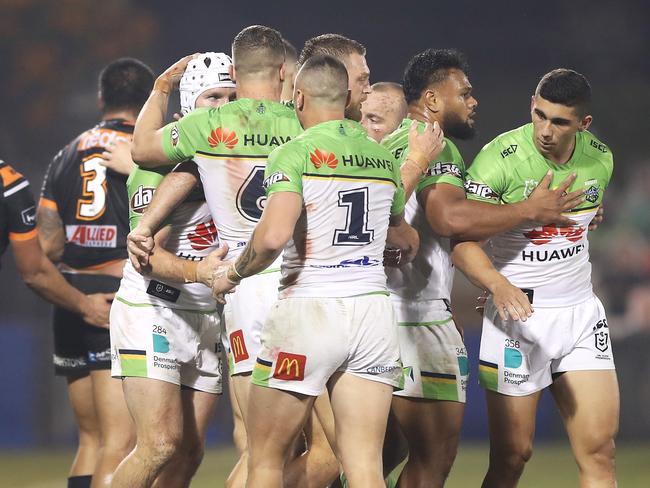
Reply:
x=551, y=466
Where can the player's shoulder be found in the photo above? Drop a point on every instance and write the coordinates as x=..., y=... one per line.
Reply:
x=595, y=148
x=510, y=147
x=11, y=180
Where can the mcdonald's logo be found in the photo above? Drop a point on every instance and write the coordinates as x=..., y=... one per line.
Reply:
x=290, y=367
x=238, y=346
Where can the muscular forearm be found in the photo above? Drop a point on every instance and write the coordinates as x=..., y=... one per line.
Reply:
x=150, y=120
x=411, y=172
x=470, y=258
x=471, y=220
x=166, y=266
x=173, y=190
x=258, y=255
x=46, y=281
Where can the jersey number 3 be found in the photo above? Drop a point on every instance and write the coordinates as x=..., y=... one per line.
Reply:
x=92, y=204
x=356, y=232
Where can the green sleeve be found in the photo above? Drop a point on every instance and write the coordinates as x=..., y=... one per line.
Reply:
x=486, y=177
x=399, y=199
x=140, y=186
x=448, y=167
x=284, y=169
x=181, y=139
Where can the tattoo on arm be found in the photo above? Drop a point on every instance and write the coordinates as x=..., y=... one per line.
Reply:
x=51, y=233
x=251, y=262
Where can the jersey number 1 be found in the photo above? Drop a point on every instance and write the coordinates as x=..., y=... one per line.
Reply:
x=92, y=204
x=356, y=232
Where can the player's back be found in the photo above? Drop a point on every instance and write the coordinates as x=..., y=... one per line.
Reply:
x=350, y=186
x=90, y=199
x=230, y=145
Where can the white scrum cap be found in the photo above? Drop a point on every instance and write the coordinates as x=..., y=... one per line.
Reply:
x=208, y=70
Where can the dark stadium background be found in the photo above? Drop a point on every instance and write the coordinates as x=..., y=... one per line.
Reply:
x=52, y=51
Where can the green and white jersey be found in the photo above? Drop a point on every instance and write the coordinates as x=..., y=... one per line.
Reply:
x=230, y=145
x=430, y=276
x=350, y=186
x=553, y=261
x=192, y=236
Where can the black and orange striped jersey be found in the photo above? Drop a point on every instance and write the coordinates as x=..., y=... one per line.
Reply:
x=17, y=207
x=91, y=200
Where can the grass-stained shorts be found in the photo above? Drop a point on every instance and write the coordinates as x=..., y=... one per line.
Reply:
x=177, y=346
x=306, y=340
x=433, y=353
x=520, y=358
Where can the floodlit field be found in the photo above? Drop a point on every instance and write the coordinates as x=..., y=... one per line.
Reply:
x=551, y=466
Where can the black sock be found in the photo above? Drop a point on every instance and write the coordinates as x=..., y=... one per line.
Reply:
x=80, y=481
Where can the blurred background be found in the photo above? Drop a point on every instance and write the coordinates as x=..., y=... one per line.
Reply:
x=52, y=51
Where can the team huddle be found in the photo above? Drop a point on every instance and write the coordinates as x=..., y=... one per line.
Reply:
x=305, y=225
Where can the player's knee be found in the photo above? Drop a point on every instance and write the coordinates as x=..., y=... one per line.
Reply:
x=597, y=454
x=192, y=455
x=162, y=447
x=513, y=458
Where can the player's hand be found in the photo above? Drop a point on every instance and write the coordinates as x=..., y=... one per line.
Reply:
x=205, y=268
x=511, y=302
x=221, y=285
x=171, y=77
x=480, y=303
x=425, y=146
x=598, y=218
x=117, y=157
x=96, y=309
x=403, y=238
x=545, y=206
x=139, y=245
x=392, y=256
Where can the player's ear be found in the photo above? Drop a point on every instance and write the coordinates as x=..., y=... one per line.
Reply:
x=283, y=67
x=231, y=71
x=348, y=99
x=299, y=99
x=585, y=122
x=431, y=100
x=100, y=102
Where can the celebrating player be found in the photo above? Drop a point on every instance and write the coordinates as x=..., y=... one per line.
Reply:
x=332, y=195
x=165, y=331
x=430, y=407
x=383, y=110
x=564, y=344
x=83, y=223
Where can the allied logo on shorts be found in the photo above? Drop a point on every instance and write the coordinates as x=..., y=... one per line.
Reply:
x=204, y=235
x=175, y=135
x=550, y=232
x=221, y=135
x=238, y=346
x=320, y=158
x=141, y=199
x=601, y=335
x=290, y=367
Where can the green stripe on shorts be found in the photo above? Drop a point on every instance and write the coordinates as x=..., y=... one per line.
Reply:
x=488, y=375
x=133, y=363
x=437, y=386
x=426, y=324
x=262, y=372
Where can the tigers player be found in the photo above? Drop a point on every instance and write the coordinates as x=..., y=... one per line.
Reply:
x=564, y=344
x=83, y=223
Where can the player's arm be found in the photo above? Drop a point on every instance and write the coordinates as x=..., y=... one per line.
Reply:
x=509, y=300
x=51, y=233
x=451, y=214
x=166, y=266
x=403, y=237
x=171, y=192
x=148, y=149
x=38, y=272
x=423, y=147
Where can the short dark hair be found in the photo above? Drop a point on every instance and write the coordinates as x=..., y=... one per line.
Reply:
x=328, y=77
x=566, y=87
x=334, y=45
x=125, y=84
x=290, y=51
x=257, y=49
x=430, y=67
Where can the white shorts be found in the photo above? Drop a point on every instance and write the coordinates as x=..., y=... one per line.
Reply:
x=520, y=358
x=433, y=353
x=177, y=346
x=306, y=340
x=244, y=315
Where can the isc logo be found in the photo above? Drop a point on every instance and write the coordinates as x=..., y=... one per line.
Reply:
x=141, y=199
x=509, y=150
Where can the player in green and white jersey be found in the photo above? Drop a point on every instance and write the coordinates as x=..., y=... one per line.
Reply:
x=564, y=344
x=165, y=331
x=430, y=407
x=333, y=193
